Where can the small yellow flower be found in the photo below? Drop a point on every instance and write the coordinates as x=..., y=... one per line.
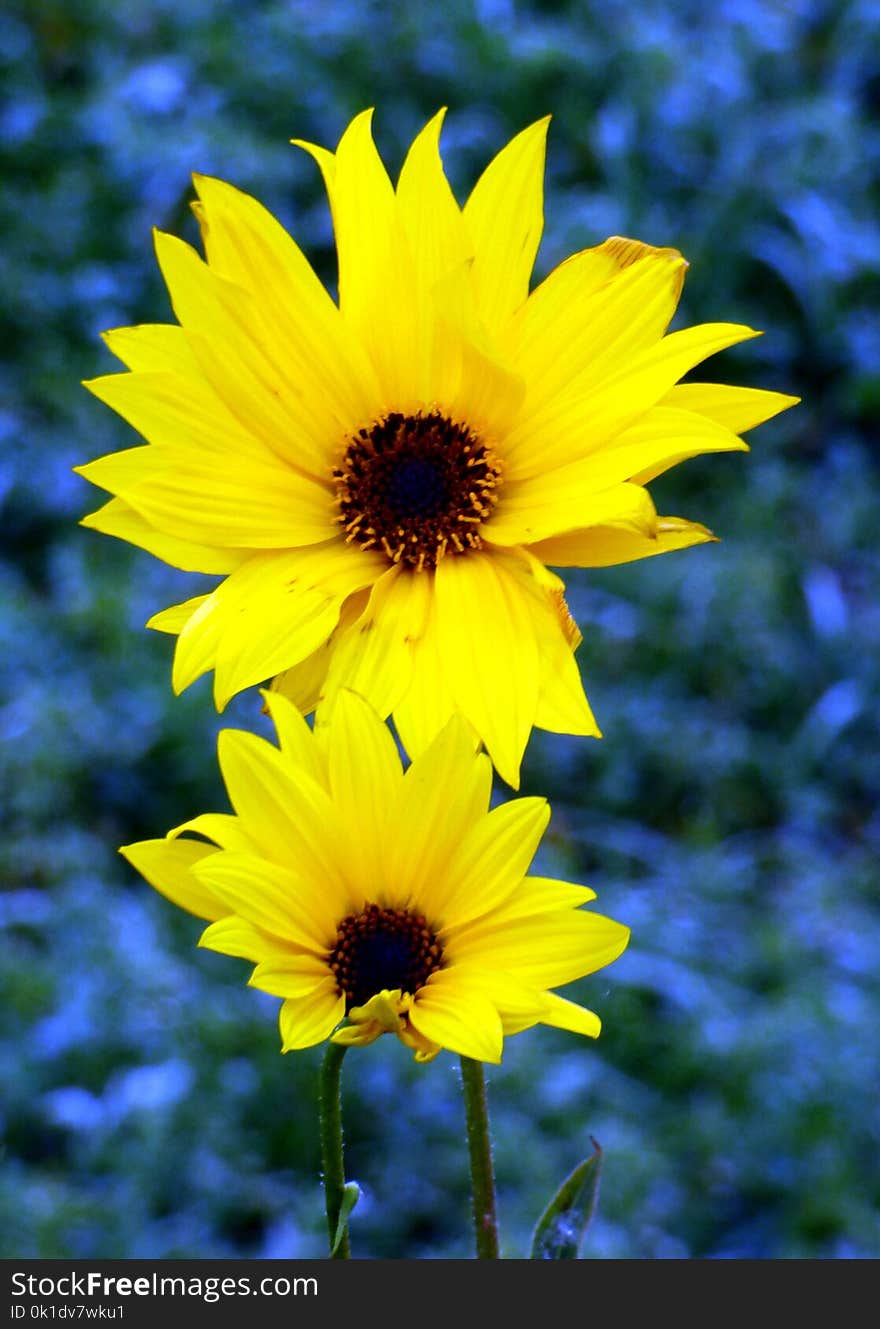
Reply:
x=375, y=900
x=383, y=483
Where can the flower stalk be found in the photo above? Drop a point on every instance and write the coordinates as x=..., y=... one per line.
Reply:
x=476, y=1108
x=330, y=1113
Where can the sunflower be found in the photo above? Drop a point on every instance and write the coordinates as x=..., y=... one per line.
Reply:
x=377, y=900
x=384, y=483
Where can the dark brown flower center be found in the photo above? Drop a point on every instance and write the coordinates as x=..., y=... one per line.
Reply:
x=417, y=487
x=382, y=949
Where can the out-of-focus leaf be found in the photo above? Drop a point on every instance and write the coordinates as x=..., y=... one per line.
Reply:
x=561, y=1227
x=350, y=1195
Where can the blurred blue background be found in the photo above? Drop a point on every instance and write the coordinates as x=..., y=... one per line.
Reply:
x=730, y=815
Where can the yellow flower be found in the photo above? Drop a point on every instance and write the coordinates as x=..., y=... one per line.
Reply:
x=391, y=900
x=383, y=483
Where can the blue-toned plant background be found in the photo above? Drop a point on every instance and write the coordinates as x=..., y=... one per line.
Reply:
x=730, y=813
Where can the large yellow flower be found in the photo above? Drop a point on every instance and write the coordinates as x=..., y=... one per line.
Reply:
x=383, y=483
x=393, y=901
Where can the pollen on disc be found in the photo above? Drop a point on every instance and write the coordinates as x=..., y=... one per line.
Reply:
x=416, y=487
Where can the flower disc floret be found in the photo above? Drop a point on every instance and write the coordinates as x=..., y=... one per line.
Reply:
x=415, y=487
x=379, y=949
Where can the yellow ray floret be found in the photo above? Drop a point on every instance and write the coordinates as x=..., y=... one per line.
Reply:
x=376, y=899
x=383, y=482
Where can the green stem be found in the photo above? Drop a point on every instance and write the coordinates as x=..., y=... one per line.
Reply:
x=476, y=1109
x=330, y=1112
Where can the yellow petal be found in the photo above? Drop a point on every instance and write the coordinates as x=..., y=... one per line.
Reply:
x=505, y=217
x=547, y=952
x=556, y=503
x=118, y=471
x=385, y=1008
x=423, y=1048
x=736, y=409
x=574, y=327
x=566, y=292
x=428, y=702
x=297, y=977
x=168, y=866
x=198, y=637
x=565, y=1014
x=603, y=546
x=304, y=683
x=270, y=613
x=273, y=897
x=438, y=242
x=458, y=1016
x=431, y=217
x=235, y=936
x=120, y=519
x=662, y=438
x=373, y=657
x=489, y=863
x=247, y=371
x=295, y=737
x=282, y=620
x=362, y=203
x=518, y=1004
x=376, y=273
x=175, y=618
x=243, y=503
x=365, y=775
x=245, y=244
x=562, y=704
x=203, y=480
x=224, y=829
x=177, y=410
x=358, y=1035
x=538, y=895
x=308, y=1020
x=289, y=815
x=566, y=289
x=591, y=412
x=444, y=793
x=485, y=633
x=152, y=348
x=472, y=378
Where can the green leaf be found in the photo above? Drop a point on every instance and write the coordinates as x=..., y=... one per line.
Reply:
x=351, y=1192
x=561, y=1227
